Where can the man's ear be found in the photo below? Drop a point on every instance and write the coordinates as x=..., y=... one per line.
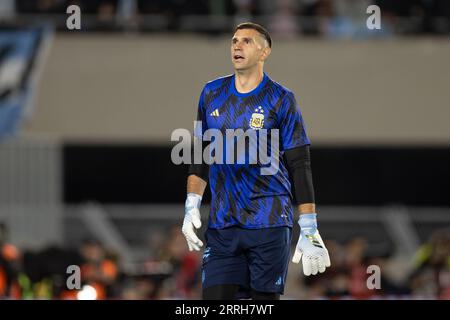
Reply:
x=266, y=53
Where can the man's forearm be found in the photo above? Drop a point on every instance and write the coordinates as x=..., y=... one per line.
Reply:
x=196, y=185
x=299, y=166
x=307, y=208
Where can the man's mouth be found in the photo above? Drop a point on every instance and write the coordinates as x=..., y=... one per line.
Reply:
x=238, y=57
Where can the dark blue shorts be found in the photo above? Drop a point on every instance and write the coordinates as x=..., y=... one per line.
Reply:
x=252, y=258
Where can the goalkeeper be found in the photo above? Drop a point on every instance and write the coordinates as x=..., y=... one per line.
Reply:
x=249, y=232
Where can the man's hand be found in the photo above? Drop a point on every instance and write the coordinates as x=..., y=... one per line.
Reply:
x=192, y=220
x=310, y=246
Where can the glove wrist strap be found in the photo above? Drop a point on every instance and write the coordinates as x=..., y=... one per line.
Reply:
x=308, y=223
x=193, y=200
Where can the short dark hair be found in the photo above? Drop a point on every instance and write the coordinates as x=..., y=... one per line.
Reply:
x=257, y=27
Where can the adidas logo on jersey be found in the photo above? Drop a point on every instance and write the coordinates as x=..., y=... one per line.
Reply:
x=215, y=113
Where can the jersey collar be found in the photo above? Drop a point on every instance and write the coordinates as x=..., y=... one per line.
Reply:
x=254, y=91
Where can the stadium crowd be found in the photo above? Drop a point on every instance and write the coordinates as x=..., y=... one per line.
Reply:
x=287, y=18
x=172, y=272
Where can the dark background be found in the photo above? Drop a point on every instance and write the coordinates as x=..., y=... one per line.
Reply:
x=342, y=175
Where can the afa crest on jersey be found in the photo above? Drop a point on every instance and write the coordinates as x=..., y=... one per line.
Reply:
x=257, y=120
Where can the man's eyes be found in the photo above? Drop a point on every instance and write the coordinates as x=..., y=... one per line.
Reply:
x=246, y=41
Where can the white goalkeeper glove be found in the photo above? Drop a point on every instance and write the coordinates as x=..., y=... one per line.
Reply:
x=192, y=220
x=310, y=246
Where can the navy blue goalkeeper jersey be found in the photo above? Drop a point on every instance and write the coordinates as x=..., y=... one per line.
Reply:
x=240, y=194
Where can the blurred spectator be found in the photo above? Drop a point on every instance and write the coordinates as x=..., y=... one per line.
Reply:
x=347, y=20
x=43, y=273
x=99, y=269
x=175, y=273
x=309, y=11
x=332, y=18
x=431, y=277
x=40, y=6
x=334, y=283
x=222, y=7
x=107, y=10
x=174, y=10
x=284, y=22
x=9, y=260
x=186, y=267
x=347, y=277
x=245, y=10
